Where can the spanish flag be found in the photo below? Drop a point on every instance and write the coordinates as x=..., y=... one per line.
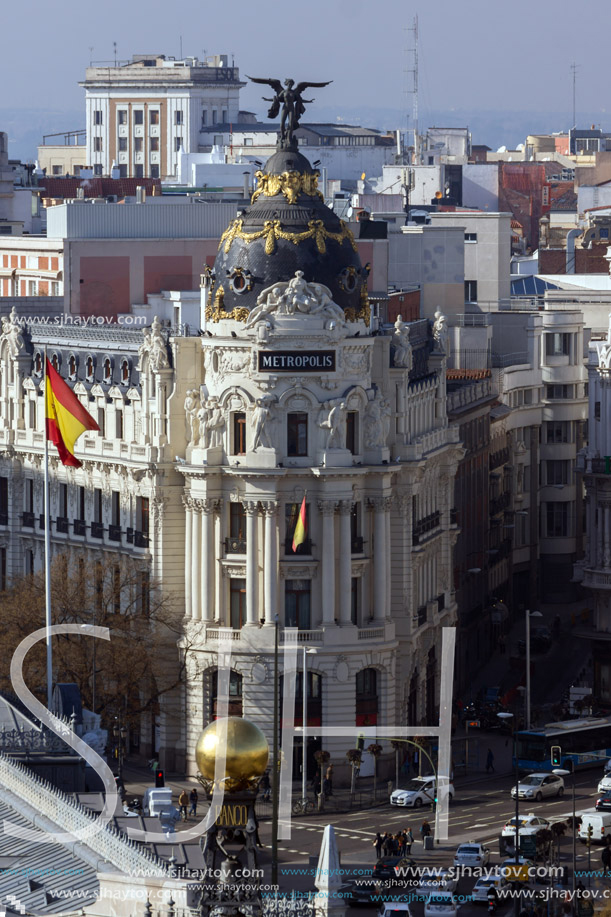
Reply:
x=301, y=526
x=65, y=416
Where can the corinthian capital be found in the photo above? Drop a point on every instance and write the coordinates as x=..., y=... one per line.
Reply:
x=327, y=507
x=269, y=507
x=379, y=504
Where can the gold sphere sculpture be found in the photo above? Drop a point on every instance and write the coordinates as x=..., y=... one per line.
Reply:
x=246, y=752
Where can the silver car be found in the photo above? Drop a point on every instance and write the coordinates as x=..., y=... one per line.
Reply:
x=536, y=786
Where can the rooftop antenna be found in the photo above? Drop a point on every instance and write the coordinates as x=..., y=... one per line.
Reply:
x=574, y=68
x=91, y=56
x=114, y=45
x=414, y=89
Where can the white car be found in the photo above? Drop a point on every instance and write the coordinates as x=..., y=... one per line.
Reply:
x=536, y=786
x=605, y=785
x=484, y=884
x=420, y=791
x=394, y=907
x=471, y=855
x=441, y=904
x=437, y=880
x=527, y=824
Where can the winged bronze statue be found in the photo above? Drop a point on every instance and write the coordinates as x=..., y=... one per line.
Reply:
x=293, y=105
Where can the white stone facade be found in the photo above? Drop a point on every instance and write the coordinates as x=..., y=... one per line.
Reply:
x=210, y=444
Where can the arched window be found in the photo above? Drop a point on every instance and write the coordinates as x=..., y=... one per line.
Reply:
x=55, y=362
x=124, y=372
x=235, y=694
x=38, y=364
x=89, y=369
x=72, y=367
x=107, y=366
x=367, y=697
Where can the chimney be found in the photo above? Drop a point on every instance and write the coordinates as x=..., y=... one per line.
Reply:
x=140, y=195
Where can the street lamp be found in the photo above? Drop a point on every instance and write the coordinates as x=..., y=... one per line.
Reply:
x=529, y=615
x=119, y=732
x=506, y=717
x=304, y=720
x=562, y=772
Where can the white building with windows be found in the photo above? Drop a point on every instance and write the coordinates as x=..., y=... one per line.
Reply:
x=209, y=445
x=142, y=113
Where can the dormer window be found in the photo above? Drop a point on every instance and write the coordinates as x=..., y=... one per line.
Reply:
x=55, y=362
x=89, y=369
x=72, y=368
x=107, y=371
x=38, y=364
x=124, y=372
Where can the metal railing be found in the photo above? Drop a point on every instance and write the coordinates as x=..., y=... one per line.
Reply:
x=235, y=545
x=107, y=842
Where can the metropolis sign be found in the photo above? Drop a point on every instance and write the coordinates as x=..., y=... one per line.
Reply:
x=287, y=361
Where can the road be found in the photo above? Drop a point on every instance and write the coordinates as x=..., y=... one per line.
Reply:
x=478, y=813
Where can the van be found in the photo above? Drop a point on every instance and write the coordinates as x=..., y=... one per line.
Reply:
x=601, y=826
x=156, y=800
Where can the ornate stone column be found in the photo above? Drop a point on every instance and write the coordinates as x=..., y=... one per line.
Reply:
x=207, y=561
x=345, y=563
x=270, y=566
x=380, y=506
x=188, y=555
x=327, y=557
x=250, y=511
x=195, y=570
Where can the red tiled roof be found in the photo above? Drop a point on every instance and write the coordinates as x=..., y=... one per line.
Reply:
x=471, y=374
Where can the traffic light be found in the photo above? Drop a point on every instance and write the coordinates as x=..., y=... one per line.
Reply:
x=590, y=832
x=159, y=778
x=556, y=756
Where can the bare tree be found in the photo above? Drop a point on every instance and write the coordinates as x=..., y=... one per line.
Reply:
x=126, y=675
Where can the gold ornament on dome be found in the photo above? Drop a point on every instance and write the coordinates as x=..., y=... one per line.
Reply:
x=272, y=231
x=290, y=184
x=215, y=312
x=246, y=754
x=364, y=313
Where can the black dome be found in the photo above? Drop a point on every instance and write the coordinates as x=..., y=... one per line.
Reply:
x=287, y=228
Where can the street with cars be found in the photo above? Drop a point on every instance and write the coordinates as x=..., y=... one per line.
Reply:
x=481, y=837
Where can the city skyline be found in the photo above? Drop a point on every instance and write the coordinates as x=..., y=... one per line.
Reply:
x=370, y=66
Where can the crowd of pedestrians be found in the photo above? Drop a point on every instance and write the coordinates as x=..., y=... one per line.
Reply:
x=400, y=844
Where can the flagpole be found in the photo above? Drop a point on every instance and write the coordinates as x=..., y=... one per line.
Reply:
x=47, y=551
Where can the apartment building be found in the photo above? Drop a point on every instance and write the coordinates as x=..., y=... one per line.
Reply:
x=142, y=113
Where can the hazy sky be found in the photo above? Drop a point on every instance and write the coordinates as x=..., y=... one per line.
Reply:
x=474, y=54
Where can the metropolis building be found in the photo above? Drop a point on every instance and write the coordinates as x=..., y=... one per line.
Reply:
x=210, y=444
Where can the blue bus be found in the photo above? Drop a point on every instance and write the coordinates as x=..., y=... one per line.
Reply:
x=583, y=743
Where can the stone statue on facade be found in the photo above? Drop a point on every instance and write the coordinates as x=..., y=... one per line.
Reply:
x=11, y=333
x=296, y=296
x=191, y=406
x=402, y=355
x=290, y=100
x=155, y=347
x=440, y=332
x=216, y=423
x=203, y=422
x=261, y=422
x=336, y=425
x=374, y=423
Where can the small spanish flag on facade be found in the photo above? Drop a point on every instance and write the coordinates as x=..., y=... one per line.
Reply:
x=301, y=526
x=65, y=416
